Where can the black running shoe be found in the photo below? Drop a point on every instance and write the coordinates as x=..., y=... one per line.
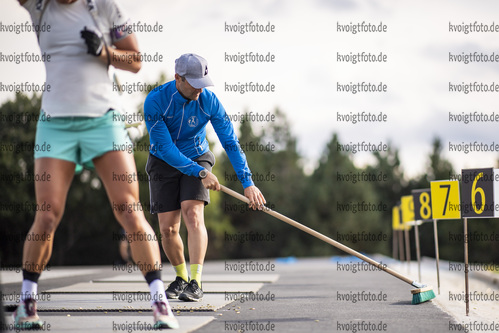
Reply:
x=192, y=293
x=176, y=288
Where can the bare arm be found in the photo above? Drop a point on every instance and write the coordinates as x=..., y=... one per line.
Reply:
x=125, y=55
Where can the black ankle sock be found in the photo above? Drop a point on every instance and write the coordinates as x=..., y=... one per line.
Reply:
x=31, y=276
x=153, y=275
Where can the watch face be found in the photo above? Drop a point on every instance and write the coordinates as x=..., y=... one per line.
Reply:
x=203, y=173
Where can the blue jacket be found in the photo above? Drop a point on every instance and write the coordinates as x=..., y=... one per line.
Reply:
x=177, y=130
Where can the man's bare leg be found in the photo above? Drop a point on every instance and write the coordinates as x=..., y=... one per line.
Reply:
x=197, y=236
x=169, y=226
x=193, y=215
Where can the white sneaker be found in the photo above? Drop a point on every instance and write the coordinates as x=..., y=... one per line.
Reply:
x=163, y=316
x=25, y=316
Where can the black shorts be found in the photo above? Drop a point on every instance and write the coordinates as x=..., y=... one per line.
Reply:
x=168, y=187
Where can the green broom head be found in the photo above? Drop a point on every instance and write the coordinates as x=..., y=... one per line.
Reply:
x=422, y=294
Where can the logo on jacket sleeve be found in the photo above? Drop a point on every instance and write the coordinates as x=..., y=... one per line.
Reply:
x=192, y=121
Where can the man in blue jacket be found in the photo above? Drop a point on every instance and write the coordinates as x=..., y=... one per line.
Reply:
x=180, y=162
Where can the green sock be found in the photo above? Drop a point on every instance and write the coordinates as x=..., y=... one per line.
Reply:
x=181, y=270
x=196, y=270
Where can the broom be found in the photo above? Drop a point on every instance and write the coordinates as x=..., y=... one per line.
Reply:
x=421, y=294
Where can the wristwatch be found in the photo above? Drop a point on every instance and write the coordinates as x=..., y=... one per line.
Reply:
x=203, y=173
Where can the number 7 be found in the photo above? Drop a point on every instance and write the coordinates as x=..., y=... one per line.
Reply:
x=446, y=196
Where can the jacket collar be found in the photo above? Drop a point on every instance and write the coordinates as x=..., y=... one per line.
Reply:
x=178, y=98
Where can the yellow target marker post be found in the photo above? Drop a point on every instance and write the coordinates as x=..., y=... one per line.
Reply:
x=407, y=208
x=479, y=192
x=395, y=227
x=398, y=242
x=445, y=205
x=399, y=231
x=422, y=213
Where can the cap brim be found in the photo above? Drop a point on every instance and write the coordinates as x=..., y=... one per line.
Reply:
x=200, y=83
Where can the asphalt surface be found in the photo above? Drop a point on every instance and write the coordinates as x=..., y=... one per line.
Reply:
x=310, y=295
x=313, y=296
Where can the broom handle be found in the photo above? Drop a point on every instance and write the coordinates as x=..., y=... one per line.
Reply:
x=320, y=236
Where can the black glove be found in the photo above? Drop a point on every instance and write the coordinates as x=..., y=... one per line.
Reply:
x=94, y=42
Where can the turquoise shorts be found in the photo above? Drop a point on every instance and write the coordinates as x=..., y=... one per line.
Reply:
x=81, y=139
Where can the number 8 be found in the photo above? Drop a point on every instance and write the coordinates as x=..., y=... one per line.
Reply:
x=424, y=199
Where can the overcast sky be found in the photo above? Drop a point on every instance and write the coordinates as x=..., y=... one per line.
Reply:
x=306, y=70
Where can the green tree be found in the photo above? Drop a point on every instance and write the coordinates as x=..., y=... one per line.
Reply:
x=387, y=164
x=17, y=128
x=439, y=168
x=277, y=174
x=334, y=195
